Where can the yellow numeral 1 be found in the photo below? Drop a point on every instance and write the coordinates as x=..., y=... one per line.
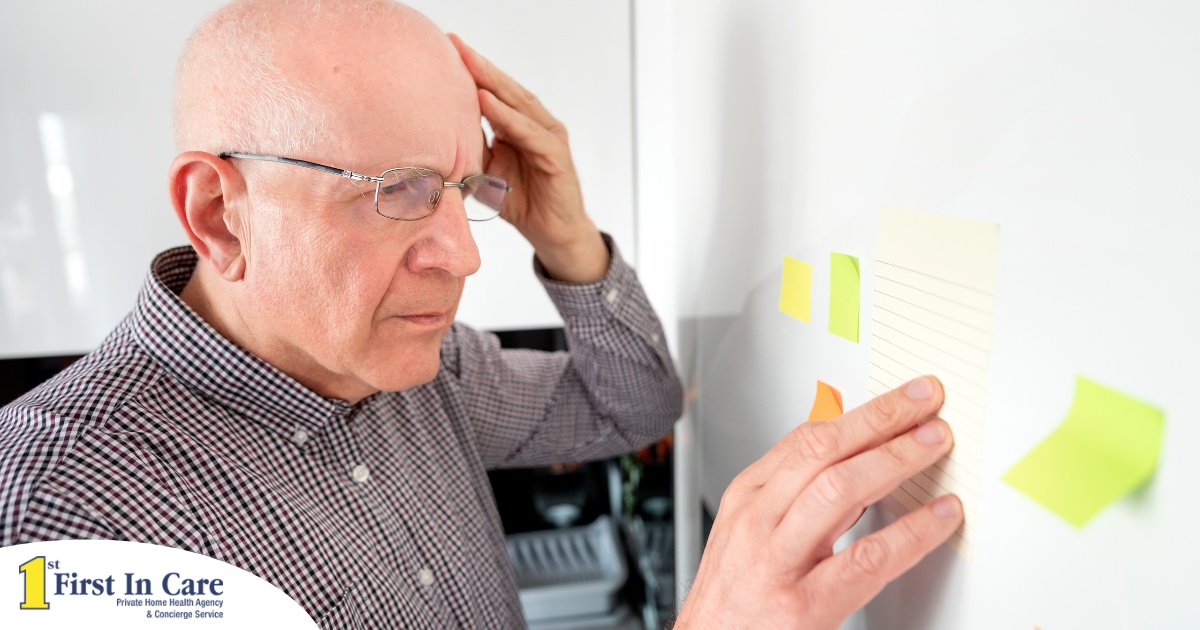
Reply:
x=35, y=584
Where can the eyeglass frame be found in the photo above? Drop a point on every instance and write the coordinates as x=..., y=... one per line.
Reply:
x=360, y=177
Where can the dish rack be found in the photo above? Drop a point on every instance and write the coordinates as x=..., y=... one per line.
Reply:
x=568, y=573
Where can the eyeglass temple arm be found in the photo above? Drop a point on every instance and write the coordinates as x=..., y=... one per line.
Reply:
x=306, y=164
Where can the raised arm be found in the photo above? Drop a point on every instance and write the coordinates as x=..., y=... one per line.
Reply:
x=616, y=390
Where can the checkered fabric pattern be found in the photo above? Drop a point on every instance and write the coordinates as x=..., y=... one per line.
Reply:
x=372, y=515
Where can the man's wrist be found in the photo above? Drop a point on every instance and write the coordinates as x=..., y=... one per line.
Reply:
x=582, y=261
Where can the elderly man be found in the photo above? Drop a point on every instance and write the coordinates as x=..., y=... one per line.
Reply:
x=290, y=393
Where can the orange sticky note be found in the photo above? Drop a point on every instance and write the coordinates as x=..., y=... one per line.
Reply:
x=828, y=404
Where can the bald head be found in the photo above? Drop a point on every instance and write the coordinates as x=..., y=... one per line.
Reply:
x=284, y=76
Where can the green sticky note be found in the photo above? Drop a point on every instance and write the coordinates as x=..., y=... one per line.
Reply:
x=843, y=296
x=795, y=297
x=1106, y=448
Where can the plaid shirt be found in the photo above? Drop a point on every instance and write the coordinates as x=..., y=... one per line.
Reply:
x=372, y=515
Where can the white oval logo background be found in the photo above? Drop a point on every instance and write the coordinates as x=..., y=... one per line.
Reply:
x=132, y=585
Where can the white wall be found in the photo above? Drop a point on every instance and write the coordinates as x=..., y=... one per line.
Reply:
x=85, y=143
x=1073, y=126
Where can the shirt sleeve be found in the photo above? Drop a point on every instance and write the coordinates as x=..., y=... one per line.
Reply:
x=615, y=390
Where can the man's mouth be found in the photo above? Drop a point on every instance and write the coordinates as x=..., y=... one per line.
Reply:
x=430, y=319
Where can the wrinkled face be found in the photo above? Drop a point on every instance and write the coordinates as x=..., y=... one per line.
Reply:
x=358, y=301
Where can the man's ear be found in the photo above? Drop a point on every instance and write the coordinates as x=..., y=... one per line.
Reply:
x=202, y=187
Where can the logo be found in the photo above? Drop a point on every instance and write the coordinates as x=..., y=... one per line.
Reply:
x=68, y=583
x=35, y=584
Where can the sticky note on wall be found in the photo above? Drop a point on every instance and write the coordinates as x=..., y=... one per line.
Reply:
x=1106, y=447
x=828, y=404
x=843, y=296
x=795, y=296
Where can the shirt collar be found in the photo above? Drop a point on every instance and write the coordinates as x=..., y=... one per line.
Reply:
x=171, y=332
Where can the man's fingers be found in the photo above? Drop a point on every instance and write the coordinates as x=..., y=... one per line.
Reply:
x=540, y=147
x=821, y=511
x=494, y=80
x=849, y=579
x=813, y=446
x=893, y=413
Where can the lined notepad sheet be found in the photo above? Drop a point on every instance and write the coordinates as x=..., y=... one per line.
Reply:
x=935, y=284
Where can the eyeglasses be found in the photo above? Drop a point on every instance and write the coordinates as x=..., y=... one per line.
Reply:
x=410, y=193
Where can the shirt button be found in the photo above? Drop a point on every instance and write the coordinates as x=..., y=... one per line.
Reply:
x=654, y=337
x=360, y=473
x=425, y=577
x=612, y=296
x=299, y=437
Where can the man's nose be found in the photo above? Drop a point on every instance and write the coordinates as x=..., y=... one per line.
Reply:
x=447, y=242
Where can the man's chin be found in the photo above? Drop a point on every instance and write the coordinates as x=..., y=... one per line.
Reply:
x=393, y=364
x=401, y=384
x=405, y=374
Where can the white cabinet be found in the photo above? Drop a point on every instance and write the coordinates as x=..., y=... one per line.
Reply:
x=85, y=143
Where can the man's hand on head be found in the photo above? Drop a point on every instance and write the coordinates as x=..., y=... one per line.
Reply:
x=530, y=150
x=769, y=561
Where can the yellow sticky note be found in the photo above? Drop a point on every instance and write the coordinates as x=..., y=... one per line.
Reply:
x=828, y=404
x=843, y=296
x=1105, y=448
x=795, y=296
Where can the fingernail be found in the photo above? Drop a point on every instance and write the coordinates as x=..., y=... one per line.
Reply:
x=946, y=507
x=920, y=389
x=931, y=433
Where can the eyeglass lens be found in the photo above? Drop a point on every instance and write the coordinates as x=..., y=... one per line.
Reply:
x=411, y=193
